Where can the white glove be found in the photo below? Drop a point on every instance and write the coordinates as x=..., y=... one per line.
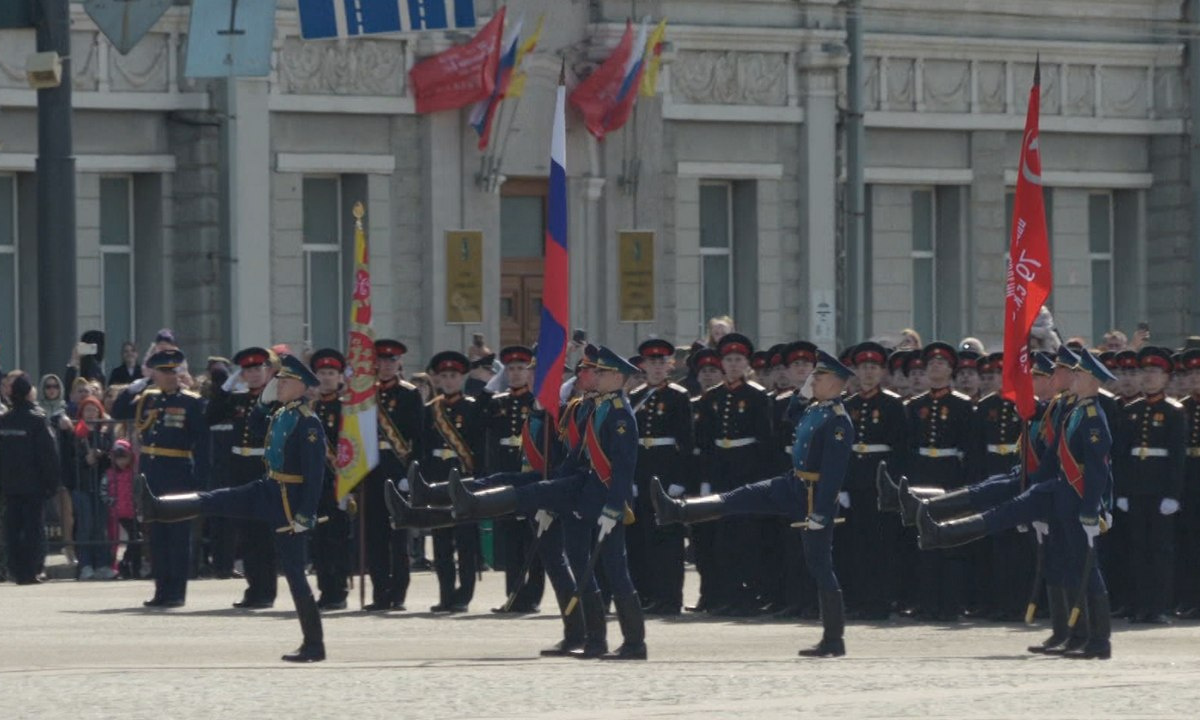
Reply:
x=139, y=385
x=544, y=520
x=269, y=393
x=635, y=492
x=675, y=490
x=1108, y=520
x=232, y=380
x=814, y=522
x=1123, y=504
x=705, y=488
x=805, y=390
x=1092, y=530
x=301, y=523
x=606, y=524
x=1168, y=506
x=403, y=487
x=1022, y=528
x=1041, y=528
x=844, y=499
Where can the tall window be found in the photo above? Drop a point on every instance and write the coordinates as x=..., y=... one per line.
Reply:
x=323, y=261
x=1010, y=199
x=1100, y=248
x=116, y=258
x=924, y=261
x=8, y=272
x=716, y=249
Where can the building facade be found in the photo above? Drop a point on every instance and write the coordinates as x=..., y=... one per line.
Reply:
x=222, y=209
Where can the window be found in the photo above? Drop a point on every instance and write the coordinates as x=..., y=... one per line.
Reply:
x=716, y=250
x=924, y=260
x=522, y=226
x=8, y=272
x=1100, y=249
x=116, y=258
x=322, y=197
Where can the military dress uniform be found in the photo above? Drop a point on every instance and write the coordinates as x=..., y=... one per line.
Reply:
x=247, y=416
x=1187, y=566
x=169, y=427
x=702, y=538
x=221, y=533
x=331, y=539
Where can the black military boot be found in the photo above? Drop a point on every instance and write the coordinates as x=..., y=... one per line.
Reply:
x=1077, y=635
x=935, y=536
x=574, y=633
x=1098, y=645
x=833, y=620
x=406, y=516
x=596, y=627
x=169, y=508
x=912, y=498
x=467, y=505
x=424, y=494
x=633, y=629
x=1057, y=598
x=668, y=510
x=949, y=505
x=886, y=491
x=313, y=647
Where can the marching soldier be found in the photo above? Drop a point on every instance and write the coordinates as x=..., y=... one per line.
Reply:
x=453, y=428
x=331, y=539
x=665, y=441
x=286, y=499
x=400, y=413
x=238, y=402
x=170, y=424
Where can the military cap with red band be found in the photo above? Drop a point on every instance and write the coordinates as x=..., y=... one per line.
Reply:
x=1191, y=359
x=760, y=360
x=390, y=348
x=735, y=344
x=656, y=348
x=1128, y=360
x=516, y=354
x=252, y=357
x=449, y=361
x=968, y=360
x=1157, y=357
x=940, y=350
x=327, y=358
x=800, y=351
x=706, y=357
x=870, y=352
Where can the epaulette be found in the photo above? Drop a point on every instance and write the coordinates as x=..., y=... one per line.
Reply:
x=1107, y=394
x=839, y=409
x=677, y=388
x=637, y=389
x=1091, y=410
x=786, y=395
x=190, y=393
x=468, y=398
x=618, y=403
x=755, y=385
x=151, y=391
x=305, y=410
x=501, y=395
x=406, y=385
x=961, y=396
x=1174, y=403
x=891, y=394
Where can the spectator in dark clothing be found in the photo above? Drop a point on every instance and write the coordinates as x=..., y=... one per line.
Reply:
x=129, y=369
x=29, y=473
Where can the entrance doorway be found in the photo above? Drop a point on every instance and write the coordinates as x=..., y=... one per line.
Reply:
x=522, y=258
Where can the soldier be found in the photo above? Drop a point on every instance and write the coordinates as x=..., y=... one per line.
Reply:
x=286, y=499
x=807, y=495
x=966, y=374
x=706, y=364
x=170, y=425
x=400, y=412
x=990, y=369
x=238, y=402
x=1188, y=562
x=505, y=416
x=453, y=428
x=896, y=379
x=665, y=441
x=1152, y=445
x=222, y=533
x=872, y=536
x=331, y=539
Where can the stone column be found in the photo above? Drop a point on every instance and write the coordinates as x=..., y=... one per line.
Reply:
x=988, y=244
x=818, y=179
x=248, y=164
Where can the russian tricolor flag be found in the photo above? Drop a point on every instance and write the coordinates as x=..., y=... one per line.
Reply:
x=552, y=336
x=622, y=107
x=484, y=111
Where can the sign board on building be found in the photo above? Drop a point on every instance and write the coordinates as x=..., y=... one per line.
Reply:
x=16, y=14
x=823, y=323
x=636, y=270
x=464, y=276
x=228, y=38
x=326, y=19
x=125, y=22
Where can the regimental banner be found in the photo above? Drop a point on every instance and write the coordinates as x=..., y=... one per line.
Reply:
x=358, y=441
x=636, y=269
x=464, y=276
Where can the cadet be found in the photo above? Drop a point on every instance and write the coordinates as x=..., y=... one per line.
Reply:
x=453, y=428
x=331, y=539
x=170, y=425
x=665, y=442
x=1188, y=561
x=238, y=402
x=807, y=495
x=400, y=412
x=222, y=532
x=286, y=499
x=706, y=364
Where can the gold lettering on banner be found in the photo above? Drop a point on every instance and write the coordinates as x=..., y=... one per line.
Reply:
x=464, y=276
x=636, y=269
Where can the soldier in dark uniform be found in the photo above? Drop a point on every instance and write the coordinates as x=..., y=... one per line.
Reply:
x=966, y=374
x=736, y=416
x=665, y=441
x=939, y=422
x=170, y=425
x=706, y=366
x=238, y=402
x=481, y=373
x=1187, y=573
x=896, y=378
x=286, y=499
x=400, y=412
x=221, y=532
x=871, y=536
x=1153, y=443
x=331, y=539
x=453, y=428
x=504, y=416
x=807, y=494
x=1116, y=542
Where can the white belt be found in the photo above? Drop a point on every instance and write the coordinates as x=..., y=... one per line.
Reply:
x=221, y=427
x=249, y=452
x=727, y=443
x=932, y=452
x=444, y=454
x=514, y=441
x=649, y=442
x=865, y=448
x=1145, y=452
x=1006, y=449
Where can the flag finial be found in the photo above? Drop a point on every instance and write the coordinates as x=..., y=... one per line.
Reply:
x=1037, y=69
x=562, y=71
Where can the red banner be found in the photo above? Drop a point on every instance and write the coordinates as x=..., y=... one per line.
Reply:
x=461, y=75
x=596, y=97
x=1029, y=277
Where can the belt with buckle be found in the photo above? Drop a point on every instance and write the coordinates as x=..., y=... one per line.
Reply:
x=444, y=454
x=863, y=448
x=649, y=442
x=155, y=451
x=807, y=475
x=1149, y=452
x=514, y=441
x=286, y=478
x=249, y=451
x=727, y=443
x=220, y=427
x=932, y=452
x=1005, y=449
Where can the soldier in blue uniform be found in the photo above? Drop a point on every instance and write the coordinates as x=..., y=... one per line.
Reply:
x=170, y=424
x=331, y=539
x=286, y=498
x=808, y=495
x=597, y=493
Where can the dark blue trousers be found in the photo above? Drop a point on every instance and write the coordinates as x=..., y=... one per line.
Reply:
x=170, y=543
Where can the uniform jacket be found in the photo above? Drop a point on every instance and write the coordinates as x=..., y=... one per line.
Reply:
x=1082, y=456
x=401, y=419
x=879, y=421
x=1150, y=426
x=736, y=413
x=28, y=453
x=663, y=414
x=295, y=458
x=610, y=446
x=504, y=416
x=824, y=436
x=453, y=424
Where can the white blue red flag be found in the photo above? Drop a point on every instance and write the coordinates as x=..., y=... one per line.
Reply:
x=552, y=335
x=484, y=111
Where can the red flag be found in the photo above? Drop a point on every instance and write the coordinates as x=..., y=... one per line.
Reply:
x=596, y=97
x=1029, y=277
x=461, y=75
